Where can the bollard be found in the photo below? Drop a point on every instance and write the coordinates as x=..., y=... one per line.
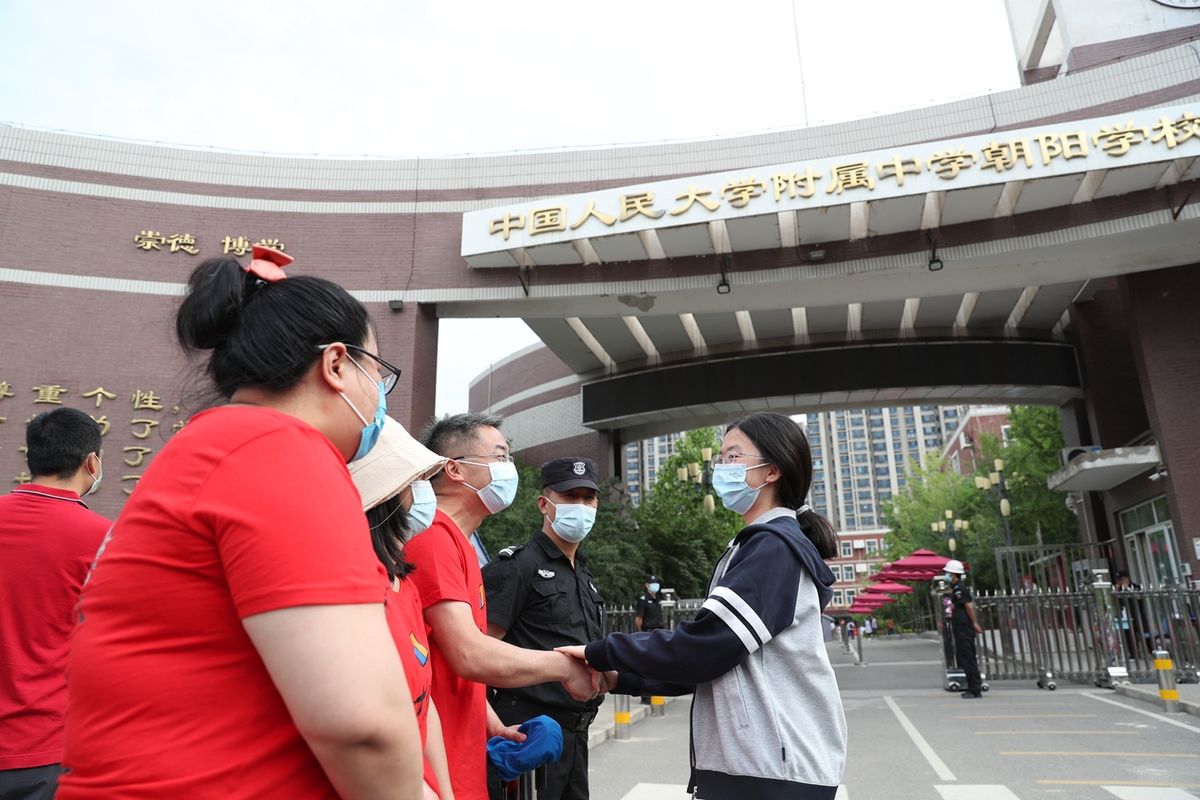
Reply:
x=858, y=656
x=621, y=716
x=1166, y=680
x=658, y=705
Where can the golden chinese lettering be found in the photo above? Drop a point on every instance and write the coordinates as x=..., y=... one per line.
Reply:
x=146, y=401
x=238, y=246
x=947, y=165
x=183, y=242
x=138, y=455
x=1002, y=156
x=1068, y=145
x=739, y=193
x=134, y=478
x=22, y=478
x=100, y=394
x=796, y=184
x=506, y=224
x=5, y=389
x=49, y=393
x=592, y=211
x=897, y=168
x=104, y=424
x=1117, y=141
x=1175, y=132
x=274, y=244
x=641, y=203
x=149, y=240
x=178, y=426
x=547, y=220
x=147, y=424
x=691, y=197
x=851, y=176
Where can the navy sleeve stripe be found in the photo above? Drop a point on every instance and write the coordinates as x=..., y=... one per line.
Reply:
x=727, y=615
x=743, y=610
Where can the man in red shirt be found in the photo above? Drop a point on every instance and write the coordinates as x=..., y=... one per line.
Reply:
x=479, y=479
x=48, y=539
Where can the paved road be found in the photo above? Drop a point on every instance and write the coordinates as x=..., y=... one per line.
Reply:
x=909, y=739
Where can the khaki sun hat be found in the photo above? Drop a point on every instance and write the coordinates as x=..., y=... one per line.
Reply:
x=395, y=461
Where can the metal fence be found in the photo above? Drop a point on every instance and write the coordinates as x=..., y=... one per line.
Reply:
x=619, y=619
x=1088, y=635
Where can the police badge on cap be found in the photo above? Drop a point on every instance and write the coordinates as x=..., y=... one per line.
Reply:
x=564, y=474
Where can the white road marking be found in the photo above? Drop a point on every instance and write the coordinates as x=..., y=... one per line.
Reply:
x=656, y=791
x=939, y=766
x=1159, y=717
x=978, y=792
x=1148, y=793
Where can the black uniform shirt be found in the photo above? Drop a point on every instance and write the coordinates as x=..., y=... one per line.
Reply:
x=960, y=595
x=542, y=603
x=650, y=610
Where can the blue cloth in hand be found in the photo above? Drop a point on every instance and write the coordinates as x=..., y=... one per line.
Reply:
x=543, y=745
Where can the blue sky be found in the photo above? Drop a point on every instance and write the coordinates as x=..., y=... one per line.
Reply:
x=427, y=78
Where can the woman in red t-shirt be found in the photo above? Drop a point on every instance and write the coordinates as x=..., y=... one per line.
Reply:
x=231, y=641
x=393, y=481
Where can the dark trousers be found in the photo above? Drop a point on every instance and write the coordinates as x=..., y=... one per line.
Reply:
x=567, y=778
x=32, y=783
x=964, y=655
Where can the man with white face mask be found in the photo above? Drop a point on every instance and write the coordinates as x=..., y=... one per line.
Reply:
x=541, y=596
x=479, y=479
x=48, y=539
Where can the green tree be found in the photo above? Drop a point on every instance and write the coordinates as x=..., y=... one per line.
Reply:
x=683, y=541
x=1032, y=455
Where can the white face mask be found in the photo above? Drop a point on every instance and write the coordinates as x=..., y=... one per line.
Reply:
x=99, y=476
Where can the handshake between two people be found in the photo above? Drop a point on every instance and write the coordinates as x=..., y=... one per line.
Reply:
x=582, y=682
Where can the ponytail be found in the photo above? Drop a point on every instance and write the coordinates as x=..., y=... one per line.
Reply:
x=263, y=335
x=818, y=530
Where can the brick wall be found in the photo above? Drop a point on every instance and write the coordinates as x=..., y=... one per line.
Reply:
x=1166, y=343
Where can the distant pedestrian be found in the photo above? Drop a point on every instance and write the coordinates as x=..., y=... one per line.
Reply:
x=891, y=626
x=964, y=627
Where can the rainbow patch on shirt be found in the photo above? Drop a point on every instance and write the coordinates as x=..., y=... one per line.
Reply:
x=419, y=650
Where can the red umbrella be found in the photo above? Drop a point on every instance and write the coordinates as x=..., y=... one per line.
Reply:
x=873, y=600
x=904, y=575
x=921, y=560
x=888, y=588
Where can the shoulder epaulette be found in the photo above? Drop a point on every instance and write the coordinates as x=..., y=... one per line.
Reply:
x=510, y=551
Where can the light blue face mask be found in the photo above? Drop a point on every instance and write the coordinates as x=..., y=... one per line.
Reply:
x=499, y=494
x=424, y=506
x=573, y=522
x=729, y=482
x=654, y=587
x=370, y=433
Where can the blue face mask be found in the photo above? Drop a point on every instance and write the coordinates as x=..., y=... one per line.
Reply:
x=729, y=482
x=499, y=494
x=424, y=506
x=573, y=522
x=654, y=587
x=370, y=433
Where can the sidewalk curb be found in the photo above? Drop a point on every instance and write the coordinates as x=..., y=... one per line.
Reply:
x=1151, y=696
x=598, y=734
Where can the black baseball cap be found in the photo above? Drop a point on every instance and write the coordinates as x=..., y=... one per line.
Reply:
x=653, y=579
x=564, y=474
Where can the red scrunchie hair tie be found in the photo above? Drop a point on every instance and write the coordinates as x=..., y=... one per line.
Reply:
x=267, y=263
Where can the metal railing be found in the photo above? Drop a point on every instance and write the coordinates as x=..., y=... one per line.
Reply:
x=1088, y=635
x=619, y=619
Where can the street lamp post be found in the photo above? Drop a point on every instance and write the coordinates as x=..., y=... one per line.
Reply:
x=948, y=526
x=701, y=475
x=995, y=480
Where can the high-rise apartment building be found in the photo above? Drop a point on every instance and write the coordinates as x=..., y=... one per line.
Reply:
x=861, y=457
x=643, y=460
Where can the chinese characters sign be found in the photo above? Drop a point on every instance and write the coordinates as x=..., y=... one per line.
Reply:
x=147, y=240
x=1158, y=135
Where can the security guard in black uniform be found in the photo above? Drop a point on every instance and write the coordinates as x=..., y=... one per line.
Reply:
x=541, y=595
x=648, y=616
x=964, y=627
